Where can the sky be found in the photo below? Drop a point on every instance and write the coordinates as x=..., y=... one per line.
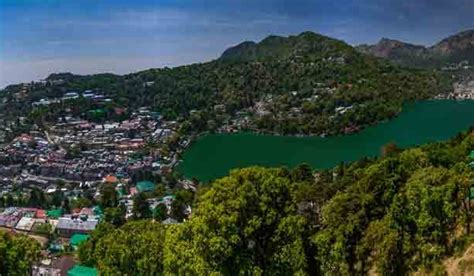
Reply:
x=39, y=37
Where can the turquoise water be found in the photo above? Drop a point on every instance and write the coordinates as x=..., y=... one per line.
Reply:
x=213, y=155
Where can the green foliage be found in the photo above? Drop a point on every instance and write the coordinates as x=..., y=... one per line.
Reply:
x=141, y=208
x=17, y=254
x=245, y=224
x=136, y=248
x=392, y=216
x=86, y=249
x=183, y=199
x=115, y=215
x=160, y=212
x=44, y=229
x=108, y=196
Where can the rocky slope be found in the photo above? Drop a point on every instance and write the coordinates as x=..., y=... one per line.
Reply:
x=453, y=49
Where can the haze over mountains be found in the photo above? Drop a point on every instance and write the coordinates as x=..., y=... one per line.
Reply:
x=452, y=49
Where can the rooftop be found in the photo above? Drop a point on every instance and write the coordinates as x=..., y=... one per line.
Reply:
x=80, y=270
x=145, y=186
x=77, y=239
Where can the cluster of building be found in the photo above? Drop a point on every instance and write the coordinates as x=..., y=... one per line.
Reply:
x=62, y=266
x=94, y=96
x=462, y=65
x=33, y=220
x=80, y=150
x=75, y=157
x=463, y=89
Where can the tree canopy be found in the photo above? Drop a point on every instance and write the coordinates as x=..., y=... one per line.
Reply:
x=391, y=215
x=17, y=254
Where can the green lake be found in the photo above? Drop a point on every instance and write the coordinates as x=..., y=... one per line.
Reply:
x=212, y=156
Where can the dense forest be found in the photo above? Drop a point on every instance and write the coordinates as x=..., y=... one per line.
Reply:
x=393, y=215
x=301, y=80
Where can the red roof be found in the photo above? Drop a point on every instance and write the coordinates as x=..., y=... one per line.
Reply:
x=111, y=179
x=40, y=213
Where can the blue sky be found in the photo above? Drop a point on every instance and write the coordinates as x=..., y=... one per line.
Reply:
x=38, y=37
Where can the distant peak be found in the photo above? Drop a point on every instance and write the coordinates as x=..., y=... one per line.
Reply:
x=385, y=40
x=308, y=33
x=272, y=39
x=462, y=41
x=62, y=75
x=274, y=46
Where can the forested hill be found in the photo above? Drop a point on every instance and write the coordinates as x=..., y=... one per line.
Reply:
x=453, y=49
x=303, y=84
x=306, y=44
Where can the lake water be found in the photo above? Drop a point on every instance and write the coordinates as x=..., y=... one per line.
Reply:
x=213, y=155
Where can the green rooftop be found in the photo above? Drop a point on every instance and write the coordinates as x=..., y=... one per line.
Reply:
x=54, y=214
x=79, y=270
x=77, y=239
x=98, y=211
x=145, y=186
x=472, y=154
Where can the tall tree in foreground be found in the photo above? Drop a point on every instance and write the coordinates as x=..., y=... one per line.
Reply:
x=17, y=254
x=136, y=248
x=245, y=224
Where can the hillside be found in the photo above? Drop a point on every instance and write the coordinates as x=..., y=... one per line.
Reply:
x=453, y=49
x=303, y=84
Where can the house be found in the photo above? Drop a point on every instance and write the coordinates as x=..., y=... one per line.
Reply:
x=77, y=239
x=110, y=179
x=10, y=217
x=88, y=94
x=148, y=83
x=40, y=213
x=42, y=102
x=69, y=225
x=25, y=224
x=79, y=270
x=70, y=96
x=145, y=186
x=54, y=213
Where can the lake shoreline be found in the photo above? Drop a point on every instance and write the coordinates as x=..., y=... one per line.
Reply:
x=212, y=155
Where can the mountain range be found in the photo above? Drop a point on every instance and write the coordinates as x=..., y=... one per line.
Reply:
x=300, y=84
x=453, y=49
